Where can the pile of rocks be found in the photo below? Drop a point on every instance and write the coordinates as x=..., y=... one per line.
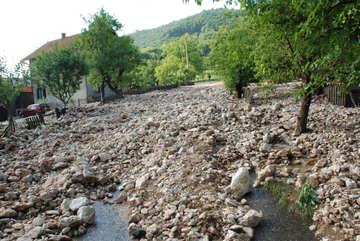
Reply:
x=183, y=158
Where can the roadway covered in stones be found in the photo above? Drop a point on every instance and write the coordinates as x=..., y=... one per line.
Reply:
x=182, y=156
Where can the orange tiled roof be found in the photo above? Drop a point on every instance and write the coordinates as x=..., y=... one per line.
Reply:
x=27, y=89
x=64, y=41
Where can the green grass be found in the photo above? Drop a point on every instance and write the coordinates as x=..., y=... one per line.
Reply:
x=300, y=202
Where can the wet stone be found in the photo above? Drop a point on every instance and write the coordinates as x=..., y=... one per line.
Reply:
x=78, y=202
x=138, y=233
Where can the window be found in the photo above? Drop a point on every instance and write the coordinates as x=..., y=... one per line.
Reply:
x=41, y=93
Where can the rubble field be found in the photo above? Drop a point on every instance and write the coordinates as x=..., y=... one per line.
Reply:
x=181, y=159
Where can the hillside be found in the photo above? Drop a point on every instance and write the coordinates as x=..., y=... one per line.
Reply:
x=203, y=24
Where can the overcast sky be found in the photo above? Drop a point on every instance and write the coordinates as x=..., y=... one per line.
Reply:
x=26, y=25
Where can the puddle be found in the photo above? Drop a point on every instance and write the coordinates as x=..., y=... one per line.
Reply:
x=108, y=226
x=277, y=222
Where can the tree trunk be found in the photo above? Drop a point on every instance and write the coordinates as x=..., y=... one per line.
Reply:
x=10, y=129
x=239, y=90
x=118, y=92
x=11, y=123
x=304, y=110
x=102, y=92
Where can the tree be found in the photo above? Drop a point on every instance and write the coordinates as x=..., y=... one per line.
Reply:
x=143, y=76
x=11, y=85
x=108, y=55
x=339, y=22
x=147, y=74
x=313, y=41
x=182, y=60
x=151, y=53
x=60, y=71
x=231, y=54
x=311, y=35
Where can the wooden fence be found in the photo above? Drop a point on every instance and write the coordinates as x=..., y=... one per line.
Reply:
x=333, y=92
x=142, y=91
x=248, y=94
x=81, y=102
x=34, y=121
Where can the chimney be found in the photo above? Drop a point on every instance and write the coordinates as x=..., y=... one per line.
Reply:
x=63, y=35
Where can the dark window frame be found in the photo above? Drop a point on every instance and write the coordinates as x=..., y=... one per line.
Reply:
x=40, y=93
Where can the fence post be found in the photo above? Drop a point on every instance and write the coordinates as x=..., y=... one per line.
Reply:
x=57, y=113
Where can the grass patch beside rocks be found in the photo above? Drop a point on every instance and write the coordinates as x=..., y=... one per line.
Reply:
x=300, y=202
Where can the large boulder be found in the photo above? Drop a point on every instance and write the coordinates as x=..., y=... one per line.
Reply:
x=87, y=214
x=241, y=183
x=251, y=218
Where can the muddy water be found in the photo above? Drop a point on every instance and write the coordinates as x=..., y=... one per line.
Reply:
x=277, y=224
x=109, y=224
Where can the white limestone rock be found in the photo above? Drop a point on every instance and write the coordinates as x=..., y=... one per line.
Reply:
x=78, y=203
x=251, y=218
x=87, y=214
x=241, y=182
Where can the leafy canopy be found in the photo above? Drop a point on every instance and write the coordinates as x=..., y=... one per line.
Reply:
x=108, y=55
x=144, y=75
x=320, y=38
x=60, y=71
x=316, y=42
x=182, y=60
x=231, y=55
x=11, y=83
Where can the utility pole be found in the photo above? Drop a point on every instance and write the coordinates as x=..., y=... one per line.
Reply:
x=187, y=61
x=187, y=56
x=180, y=54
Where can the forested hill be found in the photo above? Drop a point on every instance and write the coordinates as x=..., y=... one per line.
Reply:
x=203, y=24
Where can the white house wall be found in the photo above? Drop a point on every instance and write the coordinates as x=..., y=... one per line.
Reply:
x=80, y=97
x=53, y=102
x=86, y=94
x=93, y=96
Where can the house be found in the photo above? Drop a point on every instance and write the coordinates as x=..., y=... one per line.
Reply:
x=86, y=94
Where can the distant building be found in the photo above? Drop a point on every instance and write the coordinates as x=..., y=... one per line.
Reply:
x=25, y=98
x=86, y=94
